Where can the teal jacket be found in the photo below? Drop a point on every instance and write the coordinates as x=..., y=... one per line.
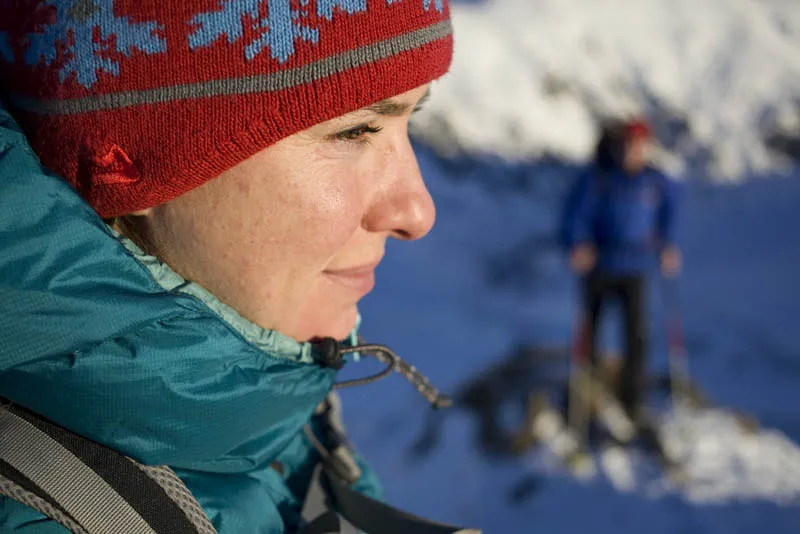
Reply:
x=113, y=345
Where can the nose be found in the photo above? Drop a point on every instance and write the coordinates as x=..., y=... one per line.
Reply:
x=403, y=206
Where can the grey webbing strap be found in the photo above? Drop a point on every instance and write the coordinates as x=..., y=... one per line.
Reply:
x=330, y=490
x=80, y=493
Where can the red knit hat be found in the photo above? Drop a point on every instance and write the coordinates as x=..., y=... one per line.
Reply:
x=136, y=102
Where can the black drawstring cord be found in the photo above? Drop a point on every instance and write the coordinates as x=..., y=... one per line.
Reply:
x=369, y=350
x=333, y=354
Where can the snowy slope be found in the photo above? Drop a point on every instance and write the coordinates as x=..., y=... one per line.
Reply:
x=720, y=79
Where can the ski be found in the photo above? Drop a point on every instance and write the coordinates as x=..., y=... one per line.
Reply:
x=625, y=431
x=546, y=426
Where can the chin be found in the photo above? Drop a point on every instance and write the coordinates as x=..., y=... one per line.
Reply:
x=338, y=326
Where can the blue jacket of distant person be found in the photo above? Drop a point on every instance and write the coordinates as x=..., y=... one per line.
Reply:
x=628, y=218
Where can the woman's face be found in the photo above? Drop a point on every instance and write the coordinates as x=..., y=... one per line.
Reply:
x=291, y=237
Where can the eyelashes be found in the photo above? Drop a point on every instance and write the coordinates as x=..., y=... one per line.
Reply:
x=357, y=134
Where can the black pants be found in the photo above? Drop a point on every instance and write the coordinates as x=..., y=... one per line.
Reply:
x=601, y=288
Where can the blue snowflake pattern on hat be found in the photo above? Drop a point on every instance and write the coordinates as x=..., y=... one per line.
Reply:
x=73, y=28
x=279, y=29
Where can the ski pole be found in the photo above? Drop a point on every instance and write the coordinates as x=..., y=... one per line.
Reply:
x=676, y=347
x=579, y=389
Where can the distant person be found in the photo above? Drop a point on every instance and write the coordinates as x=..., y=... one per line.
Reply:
x=619, y=219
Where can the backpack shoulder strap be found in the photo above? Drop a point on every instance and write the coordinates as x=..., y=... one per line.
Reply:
x=377, y=517
x=87, y=487
x=332, y=506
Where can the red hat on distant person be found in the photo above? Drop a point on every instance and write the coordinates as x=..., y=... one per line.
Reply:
x=136, y=102
x=638, y=129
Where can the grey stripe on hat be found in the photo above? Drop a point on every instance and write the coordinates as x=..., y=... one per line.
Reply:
x=264, y=83
x=73, y=485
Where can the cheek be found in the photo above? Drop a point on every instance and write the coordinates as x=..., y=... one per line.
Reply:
x=293, y=222
x=328, y=234
x=333, y=210
x=260, y=241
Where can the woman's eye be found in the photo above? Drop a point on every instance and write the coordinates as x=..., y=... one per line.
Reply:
x=359, y=133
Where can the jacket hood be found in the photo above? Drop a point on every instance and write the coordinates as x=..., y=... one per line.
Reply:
x=111, y=344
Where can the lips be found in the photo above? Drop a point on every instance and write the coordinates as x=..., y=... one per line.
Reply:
x=360, y=279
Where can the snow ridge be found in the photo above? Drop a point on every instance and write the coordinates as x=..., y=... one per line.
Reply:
x=720, y=79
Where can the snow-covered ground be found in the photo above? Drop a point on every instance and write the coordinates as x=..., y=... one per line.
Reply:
x=726, y=463
x=719, y=78
x=722, y=460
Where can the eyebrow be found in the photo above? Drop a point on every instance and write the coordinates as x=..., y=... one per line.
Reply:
x=392, y=108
